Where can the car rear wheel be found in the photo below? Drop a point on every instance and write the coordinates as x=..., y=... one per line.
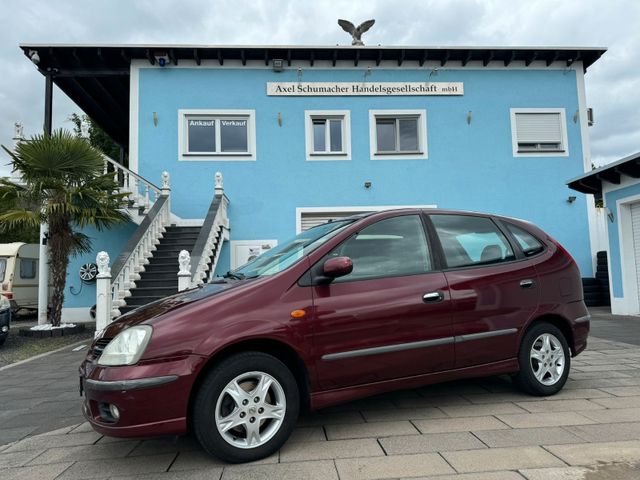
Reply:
x=544, y=359
x=246, y=407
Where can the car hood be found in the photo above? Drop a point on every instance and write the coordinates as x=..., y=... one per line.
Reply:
x=165, y=305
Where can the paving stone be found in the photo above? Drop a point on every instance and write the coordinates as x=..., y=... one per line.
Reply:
x=370, y=430
x=598, y=375
x=321, y=470
x=614, y=415
x=83, y=428
x=503, y=475
x=39, y=472
x=623, y=391
x=317, y=419
x=548, y=406
x=156, y=446
x=432, y=442
x=18, y=459
x=210, y=474
x=396, y=466
x=504, y=397
x=402, y=414
x=84, y=452
x=605, y=368
x=618, y=402
x=298, y=452
x=533, y=420
x=527, y=436
x=481, y=410
x=309, y=434
x=501, y=459
x=121, y=466
x=41, y=442
x=201, y=460
x=431, y=401
x=560, y=473
x=464, y=424
x=607, y=432
x=593, y=453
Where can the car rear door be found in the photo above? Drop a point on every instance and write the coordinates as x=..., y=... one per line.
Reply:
x=493, y=287
x=389, y=318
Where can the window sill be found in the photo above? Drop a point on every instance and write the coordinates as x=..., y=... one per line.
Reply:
x=399, y=156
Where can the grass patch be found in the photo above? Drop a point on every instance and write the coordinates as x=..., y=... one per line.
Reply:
x=18, y=348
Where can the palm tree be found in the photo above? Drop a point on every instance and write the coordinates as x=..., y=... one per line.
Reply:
x=63, y=184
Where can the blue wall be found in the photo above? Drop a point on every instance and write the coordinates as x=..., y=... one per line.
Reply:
x=469, y=166
x=615, y=256
x=77, y=294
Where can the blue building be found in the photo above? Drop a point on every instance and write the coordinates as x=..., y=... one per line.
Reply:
x=618, y=186
x=306, y=134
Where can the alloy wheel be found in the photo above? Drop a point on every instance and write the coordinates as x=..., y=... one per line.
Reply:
x=547, y=359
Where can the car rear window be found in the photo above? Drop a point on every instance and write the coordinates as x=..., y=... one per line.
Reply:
x=530, y=245
x=469, y=241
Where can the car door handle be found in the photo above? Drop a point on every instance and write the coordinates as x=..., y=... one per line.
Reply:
x=528, y=283
x=432, y=297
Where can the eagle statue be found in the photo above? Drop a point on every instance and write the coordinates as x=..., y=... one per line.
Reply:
x=356, y=32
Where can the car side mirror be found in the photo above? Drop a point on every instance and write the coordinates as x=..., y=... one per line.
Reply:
x=337, y=267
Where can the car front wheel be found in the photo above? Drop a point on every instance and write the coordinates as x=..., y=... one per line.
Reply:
x=544, y=360
x=246, y=407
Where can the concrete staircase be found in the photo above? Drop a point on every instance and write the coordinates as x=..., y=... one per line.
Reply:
x=160, y=277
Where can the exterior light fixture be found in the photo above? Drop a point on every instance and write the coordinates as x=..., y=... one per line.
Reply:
x=571, y=199
x=469, y=117
x=367, y=184
x=277, y=65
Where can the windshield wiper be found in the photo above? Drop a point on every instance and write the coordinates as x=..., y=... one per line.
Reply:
x=236, y=276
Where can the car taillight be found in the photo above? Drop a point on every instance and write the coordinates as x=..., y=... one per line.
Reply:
x=564, y=250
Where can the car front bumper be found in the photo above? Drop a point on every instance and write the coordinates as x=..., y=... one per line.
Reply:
x=152, y=398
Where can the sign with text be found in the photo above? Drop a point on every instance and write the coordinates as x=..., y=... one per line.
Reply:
x=302, y=89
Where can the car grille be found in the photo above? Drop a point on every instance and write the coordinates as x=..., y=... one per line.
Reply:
x=99, y=346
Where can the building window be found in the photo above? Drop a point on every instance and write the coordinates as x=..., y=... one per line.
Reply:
x=217, y=134
x=328, y=134
x=398, y=134
x=538, y=131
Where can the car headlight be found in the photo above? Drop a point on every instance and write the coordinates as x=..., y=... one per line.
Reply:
x=4, y=303
x=127, y=347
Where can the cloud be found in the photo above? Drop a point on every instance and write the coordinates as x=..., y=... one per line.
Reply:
x=611, y=83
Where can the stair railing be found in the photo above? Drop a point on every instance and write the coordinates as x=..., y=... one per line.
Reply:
x=214, y=231
x=140, y=191
x=136, y=253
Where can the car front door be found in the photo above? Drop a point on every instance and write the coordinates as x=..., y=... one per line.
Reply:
x=493, y=290
x=391, y=316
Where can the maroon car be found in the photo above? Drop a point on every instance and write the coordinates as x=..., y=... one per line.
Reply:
x=351, y=308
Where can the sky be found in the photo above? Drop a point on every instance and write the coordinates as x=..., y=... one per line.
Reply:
x=612, y=83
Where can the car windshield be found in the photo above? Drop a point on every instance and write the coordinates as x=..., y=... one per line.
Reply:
x=283, y=256
x=3, y=268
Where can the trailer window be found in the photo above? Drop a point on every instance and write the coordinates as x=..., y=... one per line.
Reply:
x=27, y=268
x=3, y=268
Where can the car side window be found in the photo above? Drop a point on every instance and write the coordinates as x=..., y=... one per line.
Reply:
x=471, y=241
x=530, y=245
x=389, y=248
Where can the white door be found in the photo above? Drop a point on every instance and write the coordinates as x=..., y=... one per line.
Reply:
x=635, y=228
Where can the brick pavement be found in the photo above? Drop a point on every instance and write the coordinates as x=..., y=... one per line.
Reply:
x=472, y=430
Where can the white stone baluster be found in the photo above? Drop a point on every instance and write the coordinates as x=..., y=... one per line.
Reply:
x=103, y=292
x=184, y=272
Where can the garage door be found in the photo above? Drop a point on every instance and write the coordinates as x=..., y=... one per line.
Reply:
x=635, y=225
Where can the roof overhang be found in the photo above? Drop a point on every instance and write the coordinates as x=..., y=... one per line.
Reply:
x=591, y=182
x=96, y=77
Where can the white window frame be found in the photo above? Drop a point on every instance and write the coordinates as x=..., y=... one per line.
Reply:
x=422, y=152
x=564, y=152
x=310, y=116
x=351, y=210
x=185, y=114
x=235, y=244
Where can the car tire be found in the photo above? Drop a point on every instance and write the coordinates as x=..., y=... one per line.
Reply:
x=545, y=360
x=246, y=407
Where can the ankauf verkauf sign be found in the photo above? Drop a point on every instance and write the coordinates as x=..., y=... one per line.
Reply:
x=301, y=89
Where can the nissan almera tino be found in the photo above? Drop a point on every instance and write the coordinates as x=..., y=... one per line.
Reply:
x=351, y=308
